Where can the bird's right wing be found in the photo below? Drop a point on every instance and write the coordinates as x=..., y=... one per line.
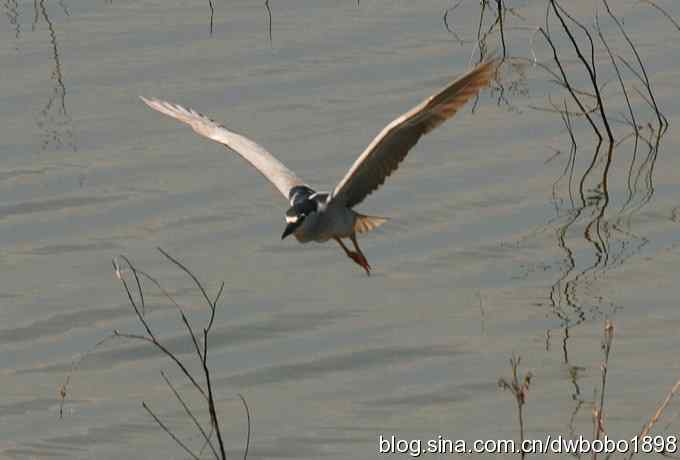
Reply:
x=283, y=178
x=390, y=147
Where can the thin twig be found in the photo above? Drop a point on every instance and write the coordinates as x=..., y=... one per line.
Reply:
x=160, y=287
x=567, y=85
x=599, y=410
x=170, y=433
x=168, y=353
x=189, y=413
x=212, y=15
x=618, y=75
x=189, y=273
x=501, y=10
x=663, y=121
x=245, y=406
x=647, y=428
x=150, y=338
x=269, y=20
x=519, y=390
x=590, y=68
x=664, y=12
x=64, y=387
x=445, y=20
x=211, y=397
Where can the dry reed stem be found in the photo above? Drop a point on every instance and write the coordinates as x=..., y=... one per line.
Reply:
x=598, y=411
x=647, y=428
x=519, y=387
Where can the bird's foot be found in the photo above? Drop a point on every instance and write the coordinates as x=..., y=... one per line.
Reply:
x=360, y=260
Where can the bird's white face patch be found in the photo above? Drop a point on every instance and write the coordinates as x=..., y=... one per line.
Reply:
x=291, y=219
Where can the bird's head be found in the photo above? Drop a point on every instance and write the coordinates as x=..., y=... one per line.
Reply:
x=297, y=214
x=301, y=209
x=293, y=221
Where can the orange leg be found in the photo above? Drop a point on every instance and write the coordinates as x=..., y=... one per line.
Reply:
x=357, y=257
x=365, y=263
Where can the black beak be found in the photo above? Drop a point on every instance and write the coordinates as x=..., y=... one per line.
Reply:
x=290, y=228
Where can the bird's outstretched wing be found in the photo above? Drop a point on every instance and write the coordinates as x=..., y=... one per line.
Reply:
x=390, y=147
x=283, y=178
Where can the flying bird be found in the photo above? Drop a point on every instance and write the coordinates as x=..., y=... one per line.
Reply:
x=321, y=216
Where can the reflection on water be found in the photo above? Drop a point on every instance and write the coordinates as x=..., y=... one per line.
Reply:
x=606, y=229
x=54, y=120
x=592, y=223
x=11, y=8
x=513, y=85
x=269, y=21
x=603, y=185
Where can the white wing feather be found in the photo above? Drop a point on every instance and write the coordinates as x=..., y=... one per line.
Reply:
x=283, y=178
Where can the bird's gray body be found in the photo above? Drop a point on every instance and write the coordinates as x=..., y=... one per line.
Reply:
x=332, y=222
x=322, y=219
x=315, y=216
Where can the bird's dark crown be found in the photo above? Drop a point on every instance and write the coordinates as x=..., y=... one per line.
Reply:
x=299, y=193
x=304, y=201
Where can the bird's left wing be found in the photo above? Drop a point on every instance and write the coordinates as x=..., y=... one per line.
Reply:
x=283, y=178
x=390, y=147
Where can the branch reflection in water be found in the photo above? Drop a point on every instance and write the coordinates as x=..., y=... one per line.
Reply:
x=592, y=224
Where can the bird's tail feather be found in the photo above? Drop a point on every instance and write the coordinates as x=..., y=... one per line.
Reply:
x=363, y=224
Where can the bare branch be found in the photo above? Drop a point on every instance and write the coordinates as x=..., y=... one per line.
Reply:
x=664, y=12
x=170, y=433
x=519, y=387
x=190, y=413
x=599, y=410
x=245, y=406
x=663, y=122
